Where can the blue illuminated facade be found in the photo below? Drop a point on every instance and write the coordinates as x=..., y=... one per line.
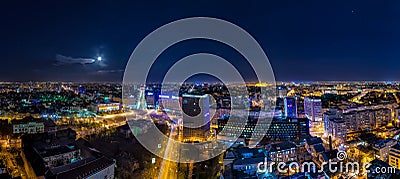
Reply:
x=290, y=107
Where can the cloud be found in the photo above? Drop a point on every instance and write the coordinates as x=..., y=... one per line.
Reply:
x=65, y=60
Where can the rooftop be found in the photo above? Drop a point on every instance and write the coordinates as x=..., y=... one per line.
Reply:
x=314, y=140
x=382, y=143
x=396, y=147
x=57, y=151
x=319, y=148
x=282, y=146
x=330, y=155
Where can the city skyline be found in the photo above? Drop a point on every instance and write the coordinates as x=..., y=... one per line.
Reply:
x=200, y=89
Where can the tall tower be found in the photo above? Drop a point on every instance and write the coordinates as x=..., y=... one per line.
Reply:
x=141, y=99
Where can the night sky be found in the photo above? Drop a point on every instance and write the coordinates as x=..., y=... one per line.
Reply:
x=304, y=40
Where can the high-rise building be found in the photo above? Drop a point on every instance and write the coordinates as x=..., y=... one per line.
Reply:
x=196, y=117
x=300, y=107
x=290, y=107
x=382, y=148
x=335, y=125
x=339, y=130
x=351, y=120
x=313, y=108
x=382, y=117
x=360, y=120
x=151, y=95
x=150, y=99
x=396, y=116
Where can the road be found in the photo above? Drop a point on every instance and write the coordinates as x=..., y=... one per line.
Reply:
x=169, y=169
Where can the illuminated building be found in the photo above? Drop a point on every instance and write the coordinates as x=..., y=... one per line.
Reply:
x=288, y=129
x=151, y=95
x=150, y=100
x=108, y=107
x=300, y=107
x=394, y=156
x=359, y=120
x=382, y=148
x=351, y=120
x=196, y=117
x=60, y=155
x=280, y=128
x=28, y=125
x=290, y=105
x=282, y=152
x=313, y=108
x=336, y=127
x=382, y=117
x=363, y=120
x=169, y=103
